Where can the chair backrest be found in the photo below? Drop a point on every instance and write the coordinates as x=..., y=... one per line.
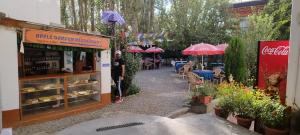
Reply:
x=191, y=77
x=217, y=71
x=186, y=68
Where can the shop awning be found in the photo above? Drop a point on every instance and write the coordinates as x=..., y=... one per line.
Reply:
x=54, y=38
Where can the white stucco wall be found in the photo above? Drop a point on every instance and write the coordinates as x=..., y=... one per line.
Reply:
x=9, y=69
x=105, y=68
x=293, y=79
x=38, y=11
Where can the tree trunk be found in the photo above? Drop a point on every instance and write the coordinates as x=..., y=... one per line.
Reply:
x=85, y=15
x=151, y=18
x=75, y=26
x=80, y=13
x=64, y=14
x=92, y=19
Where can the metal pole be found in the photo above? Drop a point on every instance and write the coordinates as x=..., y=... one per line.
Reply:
x=202, y=63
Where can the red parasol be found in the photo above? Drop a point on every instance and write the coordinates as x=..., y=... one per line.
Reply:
x=154, y=50
x=134, y=49
x=222, y=46
x=202, y=49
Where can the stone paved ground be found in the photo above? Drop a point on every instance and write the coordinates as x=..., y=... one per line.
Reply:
x=162, y=93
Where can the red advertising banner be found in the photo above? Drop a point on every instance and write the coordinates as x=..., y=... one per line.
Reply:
x=272, y=67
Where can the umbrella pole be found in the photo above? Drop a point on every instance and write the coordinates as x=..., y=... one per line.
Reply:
x=202, y=63
x=154, y=59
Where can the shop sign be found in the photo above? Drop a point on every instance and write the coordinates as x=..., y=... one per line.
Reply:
x=65, y=39
x=272, y=66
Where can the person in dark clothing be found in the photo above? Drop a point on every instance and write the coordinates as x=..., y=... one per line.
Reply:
x=118, y=74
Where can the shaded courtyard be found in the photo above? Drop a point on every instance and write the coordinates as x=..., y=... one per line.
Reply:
x=162, y=92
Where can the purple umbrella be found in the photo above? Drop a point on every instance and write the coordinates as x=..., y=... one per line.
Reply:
x=112, y=17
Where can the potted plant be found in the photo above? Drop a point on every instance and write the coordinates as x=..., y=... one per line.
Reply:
x=243, y=107
x=225, y=96
x=275, y=119
x=259, y=102
x=206, y=93
x=224, y=107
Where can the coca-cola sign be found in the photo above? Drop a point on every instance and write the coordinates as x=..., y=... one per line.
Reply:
x=273, y=59
x=278, y=50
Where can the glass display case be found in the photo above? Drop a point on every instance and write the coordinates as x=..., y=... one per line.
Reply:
x=83, y=88
x=41, y=95
x=55, y=92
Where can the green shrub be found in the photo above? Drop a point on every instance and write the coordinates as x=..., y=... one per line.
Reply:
x=274, y=115
x=133, y=89
x=235, y=63
x=131, y=68
x=208, y=89
x=226, y=94
x=243, y=104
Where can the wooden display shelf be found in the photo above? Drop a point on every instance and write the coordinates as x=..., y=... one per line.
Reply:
x=91, y=94
x=56, y=76
x=82, y=84
x=38, y=90
x=40, y=102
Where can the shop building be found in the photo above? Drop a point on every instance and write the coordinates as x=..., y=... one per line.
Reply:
x=49, y=72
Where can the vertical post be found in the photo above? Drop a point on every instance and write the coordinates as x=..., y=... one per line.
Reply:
x=0, y=106
x=293, y=81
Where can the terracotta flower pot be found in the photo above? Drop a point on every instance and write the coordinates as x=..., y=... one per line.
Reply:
x=194, y=98
x=272, y=131
x=205, y=99
x=258, y=126
x=221, y=113
x=244, y=122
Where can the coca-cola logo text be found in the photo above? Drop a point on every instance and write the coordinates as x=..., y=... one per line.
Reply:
x=279, y=50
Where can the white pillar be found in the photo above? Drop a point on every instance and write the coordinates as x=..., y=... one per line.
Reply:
x=105, y=68
x=9, y=69
x=293, y=78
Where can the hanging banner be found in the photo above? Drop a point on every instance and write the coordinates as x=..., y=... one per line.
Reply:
x=272, y=67
x=65, y=39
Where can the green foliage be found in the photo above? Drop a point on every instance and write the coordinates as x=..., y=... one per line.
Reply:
x=208, y=89
x=226, y=95
x=260, y=101
x=133, y=89
x=243, y=104
x=280, y=10
x=131, y=67
x=196, y=21
x=260, y=28
x=274, y=115
x=235, y=63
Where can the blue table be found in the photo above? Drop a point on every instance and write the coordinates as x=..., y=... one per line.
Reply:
x=216, y=64
x=179, y=64
x=207, y=74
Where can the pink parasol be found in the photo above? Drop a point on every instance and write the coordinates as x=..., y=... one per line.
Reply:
x=222, y=46
x=154, y=50
x=134, y=49
x=202, y=49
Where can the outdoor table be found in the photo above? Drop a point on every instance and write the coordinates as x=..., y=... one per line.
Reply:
x=178, y=66
x=214, y=64
x=207, y=74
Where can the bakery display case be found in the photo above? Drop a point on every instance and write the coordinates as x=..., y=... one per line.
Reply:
x=41, y=95
x=83, y=88
x=56, y=92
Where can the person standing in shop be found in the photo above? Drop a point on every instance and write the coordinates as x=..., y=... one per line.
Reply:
x=118, y=74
